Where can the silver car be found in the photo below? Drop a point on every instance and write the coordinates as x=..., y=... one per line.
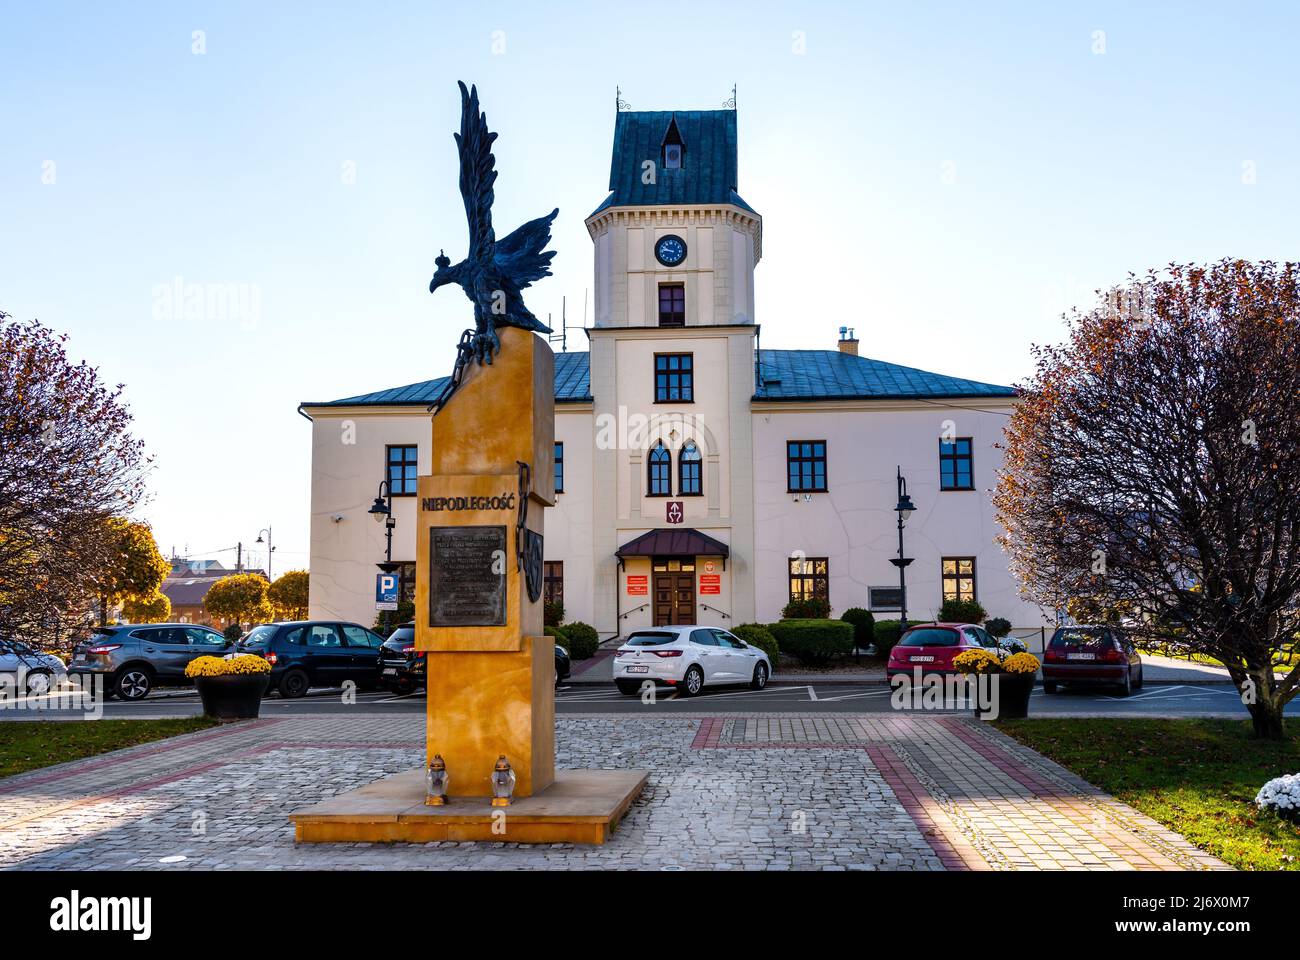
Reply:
x=134, y=658
x=28, y=670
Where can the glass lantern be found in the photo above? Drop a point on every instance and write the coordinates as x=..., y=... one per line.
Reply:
x=436, y=778
x=503, y=782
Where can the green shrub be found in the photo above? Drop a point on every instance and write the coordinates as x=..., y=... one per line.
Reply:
x=814, y=640
x=812, y=609
x=233, y=632
x=757, y=635
x=962, y=611
x=556, y=635
x=864, y=626
x=887, y=634
x=580, y=639
x=997, y=626
x=552, y=613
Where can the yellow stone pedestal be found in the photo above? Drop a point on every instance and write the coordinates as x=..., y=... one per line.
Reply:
x=490, y=667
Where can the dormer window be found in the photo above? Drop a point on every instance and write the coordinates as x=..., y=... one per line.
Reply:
x=673, y=147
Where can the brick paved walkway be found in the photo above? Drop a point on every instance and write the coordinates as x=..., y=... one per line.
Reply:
x=849, y=792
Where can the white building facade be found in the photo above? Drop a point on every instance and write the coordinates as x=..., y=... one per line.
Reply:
x=700, y=478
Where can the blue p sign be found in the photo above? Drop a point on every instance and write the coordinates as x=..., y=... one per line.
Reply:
x=386, y=591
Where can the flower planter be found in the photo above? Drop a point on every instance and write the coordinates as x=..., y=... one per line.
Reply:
x=1013, y=694
x=234, y=696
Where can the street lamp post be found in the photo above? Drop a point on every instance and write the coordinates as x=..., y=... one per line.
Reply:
x=382, y=509
x=269, y=549
x=904, y=510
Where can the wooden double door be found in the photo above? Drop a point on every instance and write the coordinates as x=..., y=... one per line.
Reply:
x=674, y=592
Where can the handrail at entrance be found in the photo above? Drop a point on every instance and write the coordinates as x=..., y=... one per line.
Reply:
x=725, y=615
x=624, y=616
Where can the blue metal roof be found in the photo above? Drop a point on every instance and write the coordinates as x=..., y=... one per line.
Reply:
x=832, y=375
x=572, y=384
x=786, y=375
x=708, y=171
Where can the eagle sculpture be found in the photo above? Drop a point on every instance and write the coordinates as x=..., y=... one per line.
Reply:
x=495, y=271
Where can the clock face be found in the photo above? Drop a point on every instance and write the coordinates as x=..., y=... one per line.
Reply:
x=670, y=250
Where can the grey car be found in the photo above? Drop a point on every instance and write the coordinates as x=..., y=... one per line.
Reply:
x=28, y=670
x=134, y=658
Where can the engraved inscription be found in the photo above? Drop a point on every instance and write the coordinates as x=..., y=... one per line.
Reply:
x=467, y=582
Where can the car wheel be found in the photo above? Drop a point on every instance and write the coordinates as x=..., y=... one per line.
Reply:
x=1140, y=680
x=293, y=685
x=401, y=689
x=629, y=688
x=39, y=683
x=692, y=683
x=132, y=683
x=1049, y=686
x=1126, y=687
x=760, y=677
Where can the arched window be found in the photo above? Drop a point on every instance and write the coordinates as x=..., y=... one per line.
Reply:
x=688, y=470
x=660, y=466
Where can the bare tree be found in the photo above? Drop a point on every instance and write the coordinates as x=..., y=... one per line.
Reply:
x=67, y=464
x=1152, y=469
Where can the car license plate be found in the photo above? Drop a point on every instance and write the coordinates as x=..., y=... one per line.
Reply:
x=638, y=669
x=1080, y=656
x=922, y=659
x=390, y=672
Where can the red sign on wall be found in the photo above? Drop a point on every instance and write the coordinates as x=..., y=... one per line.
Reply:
x=676, y=511
x=638, y=586
x=710, y=583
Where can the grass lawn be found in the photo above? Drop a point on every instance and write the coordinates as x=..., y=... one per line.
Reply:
x=29, y=744
x=1198, y=777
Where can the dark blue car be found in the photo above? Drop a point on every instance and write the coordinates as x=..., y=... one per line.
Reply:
x=315, y=653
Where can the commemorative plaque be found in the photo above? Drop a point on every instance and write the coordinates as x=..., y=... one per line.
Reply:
x=467, y=581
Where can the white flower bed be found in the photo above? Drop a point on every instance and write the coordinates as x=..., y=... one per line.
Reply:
x=1282, y=796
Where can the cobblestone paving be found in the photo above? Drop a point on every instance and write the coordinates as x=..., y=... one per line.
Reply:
x=851, y=792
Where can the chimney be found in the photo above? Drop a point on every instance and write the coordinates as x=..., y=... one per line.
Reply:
x=848, y=342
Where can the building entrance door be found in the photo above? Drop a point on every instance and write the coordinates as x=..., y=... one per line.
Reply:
x=674, y=591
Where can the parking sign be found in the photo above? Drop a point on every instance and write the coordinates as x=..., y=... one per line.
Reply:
x=385, y=591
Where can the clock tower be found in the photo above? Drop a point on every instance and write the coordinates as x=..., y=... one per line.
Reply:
x=672, y=351
x=675, y=243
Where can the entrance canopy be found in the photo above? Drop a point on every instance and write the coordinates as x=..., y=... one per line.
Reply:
x=677, y=542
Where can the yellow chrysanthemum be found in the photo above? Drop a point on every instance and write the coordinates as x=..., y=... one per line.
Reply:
x=976, y=661
x=220, y=667
x=1020, y=663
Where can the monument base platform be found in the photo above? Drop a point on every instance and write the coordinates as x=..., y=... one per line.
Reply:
x=581, y=806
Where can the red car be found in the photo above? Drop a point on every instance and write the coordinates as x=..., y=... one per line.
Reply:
x=933, y=646
x=1091, y=654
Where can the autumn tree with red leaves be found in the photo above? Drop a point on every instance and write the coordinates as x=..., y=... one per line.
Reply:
x=68, y=463
x=1152, y=470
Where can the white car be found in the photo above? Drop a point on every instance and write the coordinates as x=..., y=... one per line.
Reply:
x=688, y=657
x=28, y=671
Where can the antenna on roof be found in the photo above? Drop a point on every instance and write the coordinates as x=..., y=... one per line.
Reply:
x=730, y=104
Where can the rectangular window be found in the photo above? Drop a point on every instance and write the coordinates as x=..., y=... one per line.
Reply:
x=959, y=578
x=674, y=378
x=806, y=465
x=406, y=582
x=810, y=579
x=553, y=581
x=884, y=598
x=559, y=467
x=402, y=465
x=672, y=305
x=955, y=467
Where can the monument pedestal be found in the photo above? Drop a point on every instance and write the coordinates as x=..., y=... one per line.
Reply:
x=580, y=806
x=490, y=667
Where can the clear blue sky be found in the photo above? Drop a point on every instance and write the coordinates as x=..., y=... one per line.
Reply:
x=948, y=178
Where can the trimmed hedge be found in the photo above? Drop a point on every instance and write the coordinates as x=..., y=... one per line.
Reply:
x=580, y=639
x=997, y=627
x=887, y=634
x=814, y=608
x=864, y=626
x=757, y=635
x=556, y=634
x=962, y=611
x=814, y=640
x=233, y=632
x=552, y=613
